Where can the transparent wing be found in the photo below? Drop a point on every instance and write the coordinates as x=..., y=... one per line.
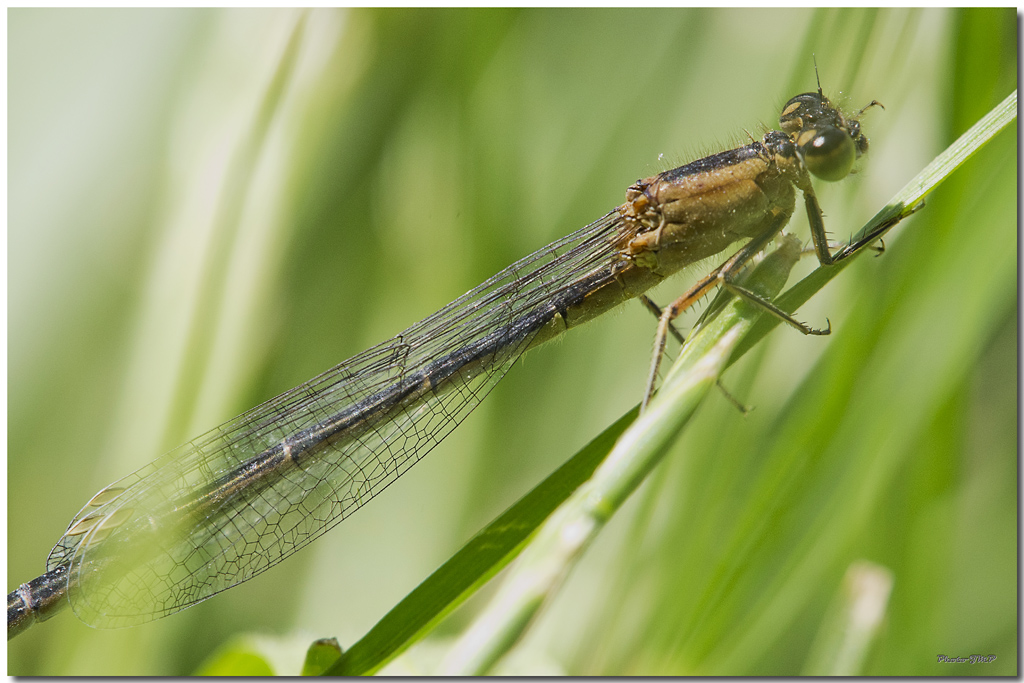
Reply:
x=239, y=499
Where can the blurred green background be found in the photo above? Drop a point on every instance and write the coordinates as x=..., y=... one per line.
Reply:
x=209, y=207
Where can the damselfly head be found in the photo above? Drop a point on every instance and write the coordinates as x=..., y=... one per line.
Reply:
x=828, y=141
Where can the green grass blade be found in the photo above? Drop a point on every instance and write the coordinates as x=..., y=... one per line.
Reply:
x=502, y=540
x=472, y=566
x=852, y=623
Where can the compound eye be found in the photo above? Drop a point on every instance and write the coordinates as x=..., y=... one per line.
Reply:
x=829, y=153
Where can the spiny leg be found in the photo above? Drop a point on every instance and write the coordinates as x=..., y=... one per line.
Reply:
x=816, y=219
x=879, y=248
x=744, y=409
x=876, y=234
x=822, y=245
x=656, y=310
x=723, y=275
x=674, y=331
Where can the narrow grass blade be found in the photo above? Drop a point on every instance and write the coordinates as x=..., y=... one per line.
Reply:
x=564, y=537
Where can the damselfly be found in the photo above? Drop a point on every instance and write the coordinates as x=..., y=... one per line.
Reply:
x=237, y=500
